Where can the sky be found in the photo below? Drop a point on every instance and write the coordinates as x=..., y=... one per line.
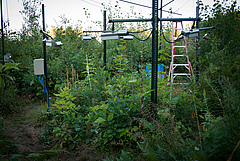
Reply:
x=74, y=10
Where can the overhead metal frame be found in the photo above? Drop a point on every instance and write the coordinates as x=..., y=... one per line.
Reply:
x=155, y=46
x=150, y=20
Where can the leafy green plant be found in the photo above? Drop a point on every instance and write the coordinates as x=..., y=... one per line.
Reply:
x=3, y=72
x=113, y=124
x=7, y=147
x=112, y=121
x=66, y=124
x=8, y=90
x=221, y=127
x=124, y=156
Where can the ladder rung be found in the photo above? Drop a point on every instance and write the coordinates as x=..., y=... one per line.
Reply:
x=178, y=29
x=181, y=64
x=181, y=74
x=179, y=46
x=181, y=83
x=179, y=55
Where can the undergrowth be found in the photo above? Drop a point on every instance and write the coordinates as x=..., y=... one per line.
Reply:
x=119, y=118
x=110, y=112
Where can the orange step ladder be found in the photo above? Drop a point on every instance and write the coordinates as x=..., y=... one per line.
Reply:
x=180, y=71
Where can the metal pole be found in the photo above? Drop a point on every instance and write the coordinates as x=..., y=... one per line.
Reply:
x=156, y=49
x=45, y=50
x=104, y=41
x=154, y=53
x=160, y=45
x=161, y=22
x=3, y=50
x=197, y=43
x=95, y=31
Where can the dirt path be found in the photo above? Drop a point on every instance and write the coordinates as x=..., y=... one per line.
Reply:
x=20, y=128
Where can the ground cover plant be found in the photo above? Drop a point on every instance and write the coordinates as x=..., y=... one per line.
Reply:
x=105, y=113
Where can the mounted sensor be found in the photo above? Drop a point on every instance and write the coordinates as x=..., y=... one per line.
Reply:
x=126, y=37
x=86, y=38
x=113, y=35
x=190, y=33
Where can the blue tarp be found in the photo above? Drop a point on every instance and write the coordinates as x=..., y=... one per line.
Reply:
x=160, y=69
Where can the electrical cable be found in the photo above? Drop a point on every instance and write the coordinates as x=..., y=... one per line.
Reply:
x=46, y=34
x=141, y=39
x=140, y=31
x=193, y=25
x=172, y=12
x=92, y=4
x=166, y=4
x=135, y=4
x=168, y=40
x=94, y=1
x=44, y=89
x=104, y=6
x=182, y=6
x=149, y=7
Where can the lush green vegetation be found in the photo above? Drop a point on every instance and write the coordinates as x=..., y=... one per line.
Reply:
x=110, y=108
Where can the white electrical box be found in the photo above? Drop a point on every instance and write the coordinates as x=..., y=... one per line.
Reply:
x=38, y=66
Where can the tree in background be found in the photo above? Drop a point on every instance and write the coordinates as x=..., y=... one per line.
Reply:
x=219, y=57
x=31, y=14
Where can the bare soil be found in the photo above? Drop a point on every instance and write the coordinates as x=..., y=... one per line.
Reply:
x=20, y=128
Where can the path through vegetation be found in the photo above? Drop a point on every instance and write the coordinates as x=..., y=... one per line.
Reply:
x=22, y=130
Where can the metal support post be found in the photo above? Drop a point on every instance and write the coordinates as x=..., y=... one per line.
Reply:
x=3, y=50
x=197, y=43
x=154, y=53
x=160, y=45
x=45, y=51
x=104, y=41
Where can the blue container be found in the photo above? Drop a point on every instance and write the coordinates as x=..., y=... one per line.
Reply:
x=160, y=69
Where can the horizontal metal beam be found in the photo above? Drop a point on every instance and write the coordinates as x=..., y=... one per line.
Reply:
x=97, y=31
x=179, y=19
x=207, y=28
x=130, y=20
x=149, y=19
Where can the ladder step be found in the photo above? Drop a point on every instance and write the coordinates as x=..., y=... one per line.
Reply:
x=178, y=29
x=181, y=74
x=179, y=55
x=179, y=46
x=181, y=83
x=181, y=64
